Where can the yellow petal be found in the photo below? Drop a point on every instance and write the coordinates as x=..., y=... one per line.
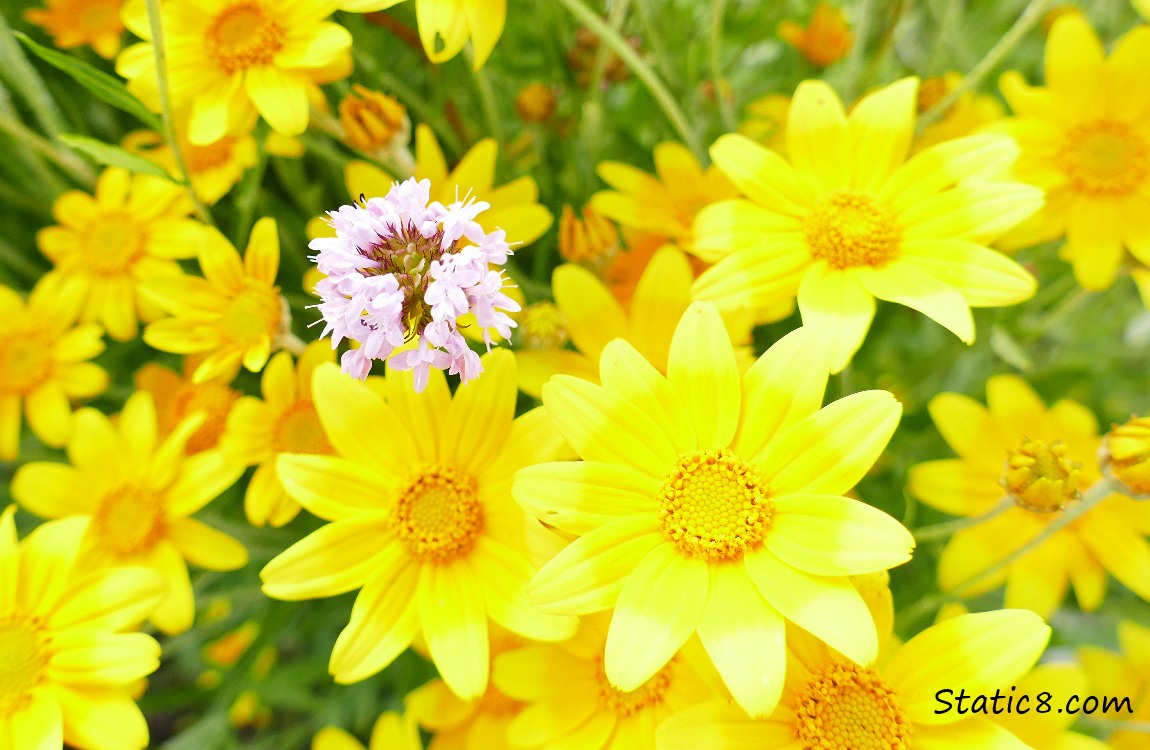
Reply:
x=454, y=620
x=624, y=372
x=882, y=126
x=983, y=277
x=115, y=599
x=661, y=297
x=764, y=176
x=837, y=311
x=745, y=638
x=592, y=314
x=828, y=452
x=953, y=486
x=975, y=210
x=946, y=164
x=332, y=488
x=581, y=496
x=905, y=284
x=481, y=414
x=702, y=369
x=202, y=478
x=334, y=738
x=967, y=733
x=657, y=611
x=503, y=574
x=101, y=719
x=964, y=651
x=262, y=257
x=1038, y=580
x=46, y=560
x=202, y=545
x=177, y=611
x=440, y=22
x=51, y=490
x=37, y=725
x=829, y=608
x=49, y=413
x=1094, y=241
x=1074, y=64
x=384, y=620
x=729, y=226
x=280, y=97
x=351, y=414
x=829, y=535
x=721, y=726
x=334, y=559
x=818, y=137
x=97, y=659
x=1013, y=404
x=1123, y=551
x=757, y=277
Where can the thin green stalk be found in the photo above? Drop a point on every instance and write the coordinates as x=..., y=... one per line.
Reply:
x=640, y=69
x=62, y=158
x=157, y=26
x=943, y=530
x=654, y=39
x=718, y=10
x=858, y=50
x=615, y=23
x=24, y=78
x=1030, y=16
x=951, y=18
x=1101, y=490
x=487, y=100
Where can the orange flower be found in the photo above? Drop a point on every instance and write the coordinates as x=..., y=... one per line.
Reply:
x=825, y=41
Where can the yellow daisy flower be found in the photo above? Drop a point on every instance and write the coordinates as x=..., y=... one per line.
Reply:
x=825, y=40
x=422, y=520
x=967, y=115
x=1043, y=459
x=43, y=366
x=445, y=26
x=391, y=732
x=592, y=318
x=765, y=121
x=1124, y=674
x=215, y=168
x=570, y=702
x=1085, y=140
x=711, y=502
x=133, y=497
x=1126, y=455
x=74, y=23
x=227, y=58
x=665, y=205
x=234, y=314
x=846, y=220
x=466, y=725
x=133, y=229
x=177, y=398
x=514, y=207
x=68, y=662
x=259, y=431
x=832, y=704
x=1050, y=730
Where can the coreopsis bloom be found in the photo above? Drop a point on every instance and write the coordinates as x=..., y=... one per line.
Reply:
x=1124, y=674
x=421, y=520
x=592, y=318
x=391, y=732
x=44, y=365
x=847, y=221
x=445, y=26
x=133, y=496
x=825, y=40
x=233, y=314
x=373, y=122
x=1042, y=459
x=229, y=59
x=284, y=421
x=570, y=702
x=665, y=205
x=68, y=656
x=178, y=397
x=765, y=121
x=1050, y=729
x=1126, y=454
x=74, y=23
x=132, y=230
x=711, y=502
x=831, y=703
x=402, y=268
x=214, y=168
x=464, y=725
x=1084, y=141
x=590, y=241
x=514, y=206
x=969, y=113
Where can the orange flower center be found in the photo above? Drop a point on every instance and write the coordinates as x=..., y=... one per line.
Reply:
x=215, y=399
x=200, y=159
x=298, y=430
x=1040, y=478
x=23, y=661
x=847, y=707
x=253, y=313
x=130, y=521
x=114, y=242
x=243, y=36
x=25, y=361
x=438, y=515
x=848, y=229
x=631, y=702
x=714, y=506
x=1104, y=158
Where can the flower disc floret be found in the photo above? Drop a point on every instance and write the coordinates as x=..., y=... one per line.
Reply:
x=849, y=229
x=1040, y=477
x=1104, y=158
x=630, y=702
x=22, y=662
x=438, y=515
x=847, y=707
x=402, y=268
x=714, y=506
x=244, y=35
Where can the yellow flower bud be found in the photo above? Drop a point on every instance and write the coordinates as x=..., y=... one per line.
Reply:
x=1126, y=454
x=1040, y=478
x=542, y=327
x=372, y=121
x=592, y=241
x=535, y=102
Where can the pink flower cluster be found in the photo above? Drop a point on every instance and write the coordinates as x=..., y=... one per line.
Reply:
x=403, y=268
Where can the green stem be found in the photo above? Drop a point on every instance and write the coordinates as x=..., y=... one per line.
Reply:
x=858, y=50
x=718, y=9
x=943, y=530
x=640, y=69
x=24, y=78
x=1030, y=16
x=487, y=100
x=157, y=27
x=1101, y=490
x=66, y=160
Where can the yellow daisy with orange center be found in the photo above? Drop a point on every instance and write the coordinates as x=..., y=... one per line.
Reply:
x=74, y=23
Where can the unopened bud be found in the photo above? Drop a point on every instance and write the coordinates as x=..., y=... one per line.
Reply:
x=1040, y=478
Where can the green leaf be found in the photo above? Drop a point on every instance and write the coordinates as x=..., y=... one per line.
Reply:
x=103, y=86
x=113, y=156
